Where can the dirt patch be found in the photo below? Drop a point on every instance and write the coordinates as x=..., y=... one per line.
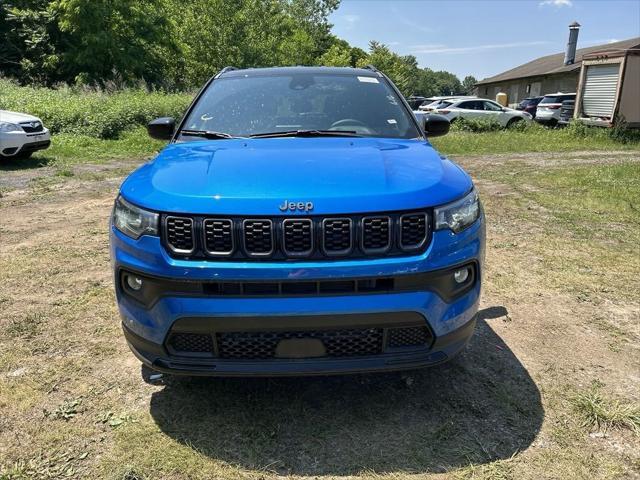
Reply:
x=74, y=401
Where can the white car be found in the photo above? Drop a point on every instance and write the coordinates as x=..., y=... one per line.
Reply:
x=430, y=103
x=482, y=109
x=21, y=135
x=548, y=110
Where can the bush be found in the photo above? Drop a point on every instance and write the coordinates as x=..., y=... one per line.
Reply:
x=474, y=125
x=92, y=112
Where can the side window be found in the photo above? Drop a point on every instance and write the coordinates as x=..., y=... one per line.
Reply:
x=466, y=105
x=492, y=107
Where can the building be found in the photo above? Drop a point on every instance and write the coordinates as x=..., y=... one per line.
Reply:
x=559, y=72
x=609, y=88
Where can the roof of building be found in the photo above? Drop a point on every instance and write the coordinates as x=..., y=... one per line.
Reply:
x=552, y=64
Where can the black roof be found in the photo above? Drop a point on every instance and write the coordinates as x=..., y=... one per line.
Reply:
x=271, y=71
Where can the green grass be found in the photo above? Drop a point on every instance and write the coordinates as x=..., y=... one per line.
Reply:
x=90, y=112
x=599, y=412
x=533, y=138
x=68, y=149
x=595, y=205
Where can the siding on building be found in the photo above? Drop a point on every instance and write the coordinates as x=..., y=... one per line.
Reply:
x=521, y=88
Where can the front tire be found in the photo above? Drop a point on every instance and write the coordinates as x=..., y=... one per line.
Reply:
x=513, y=121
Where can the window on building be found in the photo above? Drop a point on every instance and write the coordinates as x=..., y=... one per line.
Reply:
x=528, y=88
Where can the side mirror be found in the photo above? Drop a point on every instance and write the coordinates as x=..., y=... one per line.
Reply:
x=435, y=125
x=161, y=128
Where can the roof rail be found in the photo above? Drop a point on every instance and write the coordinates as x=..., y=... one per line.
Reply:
x=225, y=70
x=372, y=68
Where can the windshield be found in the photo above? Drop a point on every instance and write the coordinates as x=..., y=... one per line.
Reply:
x=251, y=105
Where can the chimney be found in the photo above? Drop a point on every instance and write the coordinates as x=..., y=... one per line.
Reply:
x=570, y=55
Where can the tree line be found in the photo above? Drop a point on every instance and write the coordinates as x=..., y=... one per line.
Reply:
x=179, y=44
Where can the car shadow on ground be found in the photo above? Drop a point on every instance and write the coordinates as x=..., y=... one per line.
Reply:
x=11, y=163
x=480, y=407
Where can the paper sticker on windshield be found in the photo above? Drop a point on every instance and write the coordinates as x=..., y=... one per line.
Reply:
x=392, y=121
x=368, y=79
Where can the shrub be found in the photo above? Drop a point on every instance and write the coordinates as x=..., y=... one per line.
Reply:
x=622, y=133
x=92, y=112
x=474, y=125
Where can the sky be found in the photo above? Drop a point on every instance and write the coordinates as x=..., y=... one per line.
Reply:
x=483, y=38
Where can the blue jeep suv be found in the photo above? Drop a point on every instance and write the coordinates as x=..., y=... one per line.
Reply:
x=298, y=223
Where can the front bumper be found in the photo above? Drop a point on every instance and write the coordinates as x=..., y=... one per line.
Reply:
x=15, y=143
x=450, y=322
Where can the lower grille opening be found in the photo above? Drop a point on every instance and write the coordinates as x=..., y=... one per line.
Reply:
x=344, y=342
x=409, y=337
x=191, y=343
x=338, y=343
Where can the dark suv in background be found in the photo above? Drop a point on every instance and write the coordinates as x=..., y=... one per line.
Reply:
x=529, y=105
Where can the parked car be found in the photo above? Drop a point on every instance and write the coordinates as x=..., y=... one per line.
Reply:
x=415, y=101
x=566, y=112
x=431, y=103
x=480, y=109
x=21, y=135
x=529, y=105
x=318, y=234
x=548, y=110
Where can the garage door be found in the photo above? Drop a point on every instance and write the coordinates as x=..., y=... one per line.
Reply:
x=600, y=88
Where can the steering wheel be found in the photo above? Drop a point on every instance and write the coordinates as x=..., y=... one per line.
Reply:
x=352, y=122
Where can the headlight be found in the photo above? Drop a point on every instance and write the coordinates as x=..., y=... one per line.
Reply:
x=458, y=215
x=134, y=221
x=9, y=127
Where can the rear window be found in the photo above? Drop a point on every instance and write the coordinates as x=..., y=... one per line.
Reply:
x=549, y=100
x=556, y=98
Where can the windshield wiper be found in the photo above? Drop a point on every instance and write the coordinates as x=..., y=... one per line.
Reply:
x=308, y=133
x=208, y=134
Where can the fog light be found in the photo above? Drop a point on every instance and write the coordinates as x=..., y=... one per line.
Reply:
x=461, y=276
x=134, y=283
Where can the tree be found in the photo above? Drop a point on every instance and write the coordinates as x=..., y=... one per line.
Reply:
x=469, y=84
x=124, y=40
x=30, y=41
x=402, y=70
x=336, y=56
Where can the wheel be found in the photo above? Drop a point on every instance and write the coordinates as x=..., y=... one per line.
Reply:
x=513, y=121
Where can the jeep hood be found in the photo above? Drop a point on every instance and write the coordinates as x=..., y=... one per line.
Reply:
x=255, y=176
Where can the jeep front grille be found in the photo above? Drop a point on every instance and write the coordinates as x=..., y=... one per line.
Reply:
x=413, y=230
x=258, y=237
x=179, y=234
x=376, y=234
x=218, y=236
x=297, y=237
x=337, y=235
x=312, y=238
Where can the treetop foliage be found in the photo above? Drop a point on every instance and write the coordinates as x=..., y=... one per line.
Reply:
x=177, y=45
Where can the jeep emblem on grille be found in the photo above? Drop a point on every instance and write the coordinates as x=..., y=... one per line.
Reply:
x=293, y=206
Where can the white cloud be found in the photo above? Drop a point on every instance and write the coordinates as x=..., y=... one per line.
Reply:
x=557, y=3
x=435, y=48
